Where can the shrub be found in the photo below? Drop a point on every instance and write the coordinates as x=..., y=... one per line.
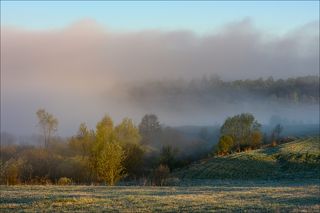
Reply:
x=64, y=181
x=256, y=139
x=41, y=180
x=11, y=171
x=173, y=181
x=160, y=175
x=168, y=157
x=133, y=159
x=225, y=144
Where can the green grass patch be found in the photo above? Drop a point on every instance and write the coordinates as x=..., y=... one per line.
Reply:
x=297, y=159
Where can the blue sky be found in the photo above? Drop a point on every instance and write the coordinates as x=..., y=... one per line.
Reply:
x=201, y=17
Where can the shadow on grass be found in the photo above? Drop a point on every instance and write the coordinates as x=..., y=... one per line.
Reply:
x=243, y=169
x=295, y=201
x=20, y=200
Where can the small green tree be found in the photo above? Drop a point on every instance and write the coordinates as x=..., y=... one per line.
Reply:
x=107, y=155
x=109, y=165
x=103, y=134
x=225, y=144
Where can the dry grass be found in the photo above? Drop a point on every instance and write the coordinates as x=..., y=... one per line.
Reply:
x=220, y=196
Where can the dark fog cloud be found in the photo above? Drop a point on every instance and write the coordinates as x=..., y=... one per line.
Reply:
x=74, y=72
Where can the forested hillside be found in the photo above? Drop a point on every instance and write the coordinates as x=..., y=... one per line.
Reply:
x=212, y=89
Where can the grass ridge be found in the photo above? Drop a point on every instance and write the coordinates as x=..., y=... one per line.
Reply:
x=296, y=159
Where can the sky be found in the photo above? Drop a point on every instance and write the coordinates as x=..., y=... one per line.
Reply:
x=75, y=58
x=200, y=17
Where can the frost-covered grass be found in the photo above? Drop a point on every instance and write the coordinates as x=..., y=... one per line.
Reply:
x=280, y=179
x=210, y=196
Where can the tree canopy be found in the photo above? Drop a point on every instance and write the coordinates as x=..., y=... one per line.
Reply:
x=240, y=128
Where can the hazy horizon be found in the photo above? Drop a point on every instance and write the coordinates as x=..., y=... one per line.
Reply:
x=79, y=68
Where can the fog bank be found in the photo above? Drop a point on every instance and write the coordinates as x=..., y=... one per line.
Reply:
x=75, y=72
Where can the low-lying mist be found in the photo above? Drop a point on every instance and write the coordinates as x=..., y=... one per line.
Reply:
x=83, y=71
x=211, y=100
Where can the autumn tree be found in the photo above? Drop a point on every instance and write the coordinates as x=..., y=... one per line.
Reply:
x=240, y=128
x=225, y=144
x=256, y=139
x=11, y=171
x=107, y=155
x=109, y=164
x=47, y=124
x=103, y=134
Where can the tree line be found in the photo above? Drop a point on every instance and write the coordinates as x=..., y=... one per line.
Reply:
x=243, y=132
x=109, y=153
x=303, y=89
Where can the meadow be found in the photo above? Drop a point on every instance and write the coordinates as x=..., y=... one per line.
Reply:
x=297, y=159
x=193, y=196
x=284, y=178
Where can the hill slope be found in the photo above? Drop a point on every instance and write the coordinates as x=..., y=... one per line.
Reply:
x=297, y=159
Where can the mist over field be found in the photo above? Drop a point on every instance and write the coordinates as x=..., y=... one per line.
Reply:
x=160, y=106
x=85, y=70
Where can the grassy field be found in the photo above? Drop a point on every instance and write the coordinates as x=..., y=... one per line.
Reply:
x=297, y=159
x=211, y=196
x=280, y=179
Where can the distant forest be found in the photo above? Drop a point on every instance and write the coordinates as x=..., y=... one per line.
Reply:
x=212, y=89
